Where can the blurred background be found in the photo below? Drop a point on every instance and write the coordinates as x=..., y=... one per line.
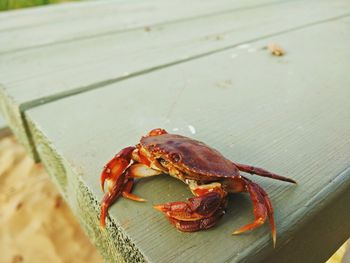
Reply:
x=36, y=225
x=15, y=4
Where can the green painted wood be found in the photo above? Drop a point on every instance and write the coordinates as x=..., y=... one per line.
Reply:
x=78, y=64
x=64, y=69
x=34, y=27
x=289, y=114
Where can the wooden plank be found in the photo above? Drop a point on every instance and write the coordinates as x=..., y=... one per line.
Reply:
x=289, y=114
x=24, y=29
x=78, y=64
x=61, y=70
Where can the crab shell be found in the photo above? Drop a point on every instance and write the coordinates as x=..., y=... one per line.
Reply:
x=186, y=158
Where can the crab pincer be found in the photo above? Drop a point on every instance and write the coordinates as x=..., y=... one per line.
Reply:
x=210, y=176
x=197, y=213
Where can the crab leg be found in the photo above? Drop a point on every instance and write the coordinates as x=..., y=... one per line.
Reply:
x=262, y=207
x=127, y=192
x=119, y=177
x=113, y=193
x=137, y=170
x=269, y=208
x=140, y=170
x=262, y=172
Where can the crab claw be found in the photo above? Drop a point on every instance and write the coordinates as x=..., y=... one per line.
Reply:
x=200, y=212
x=196, y=225
x=195, y=208
x=115, y=167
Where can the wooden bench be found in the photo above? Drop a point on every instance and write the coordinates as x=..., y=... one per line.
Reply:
x=79, y=81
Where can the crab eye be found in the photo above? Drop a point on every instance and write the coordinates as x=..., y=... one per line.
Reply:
x=162, y=161
x=175, y=157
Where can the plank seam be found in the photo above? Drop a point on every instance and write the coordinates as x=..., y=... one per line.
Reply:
x=47, y=99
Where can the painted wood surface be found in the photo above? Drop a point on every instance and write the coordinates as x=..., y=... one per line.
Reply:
x=288, y=114
x=44, y=26
x=64, y=67
x=36, y=76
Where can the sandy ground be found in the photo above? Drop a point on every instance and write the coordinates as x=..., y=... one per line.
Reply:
x=35, y=223
x=342, y=255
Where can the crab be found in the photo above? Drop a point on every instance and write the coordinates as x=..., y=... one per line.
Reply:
x=209, y=175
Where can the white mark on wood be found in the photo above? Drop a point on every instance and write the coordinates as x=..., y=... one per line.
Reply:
x=234, y=56
x=192, y=129
x=243, y=46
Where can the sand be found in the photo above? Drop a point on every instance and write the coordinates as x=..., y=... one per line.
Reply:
x=36, y=225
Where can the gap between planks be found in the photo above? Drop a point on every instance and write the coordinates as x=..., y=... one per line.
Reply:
x=47, y=99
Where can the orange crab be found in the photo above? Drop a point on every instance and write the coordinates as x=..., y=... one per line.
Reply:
x=210, y=176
